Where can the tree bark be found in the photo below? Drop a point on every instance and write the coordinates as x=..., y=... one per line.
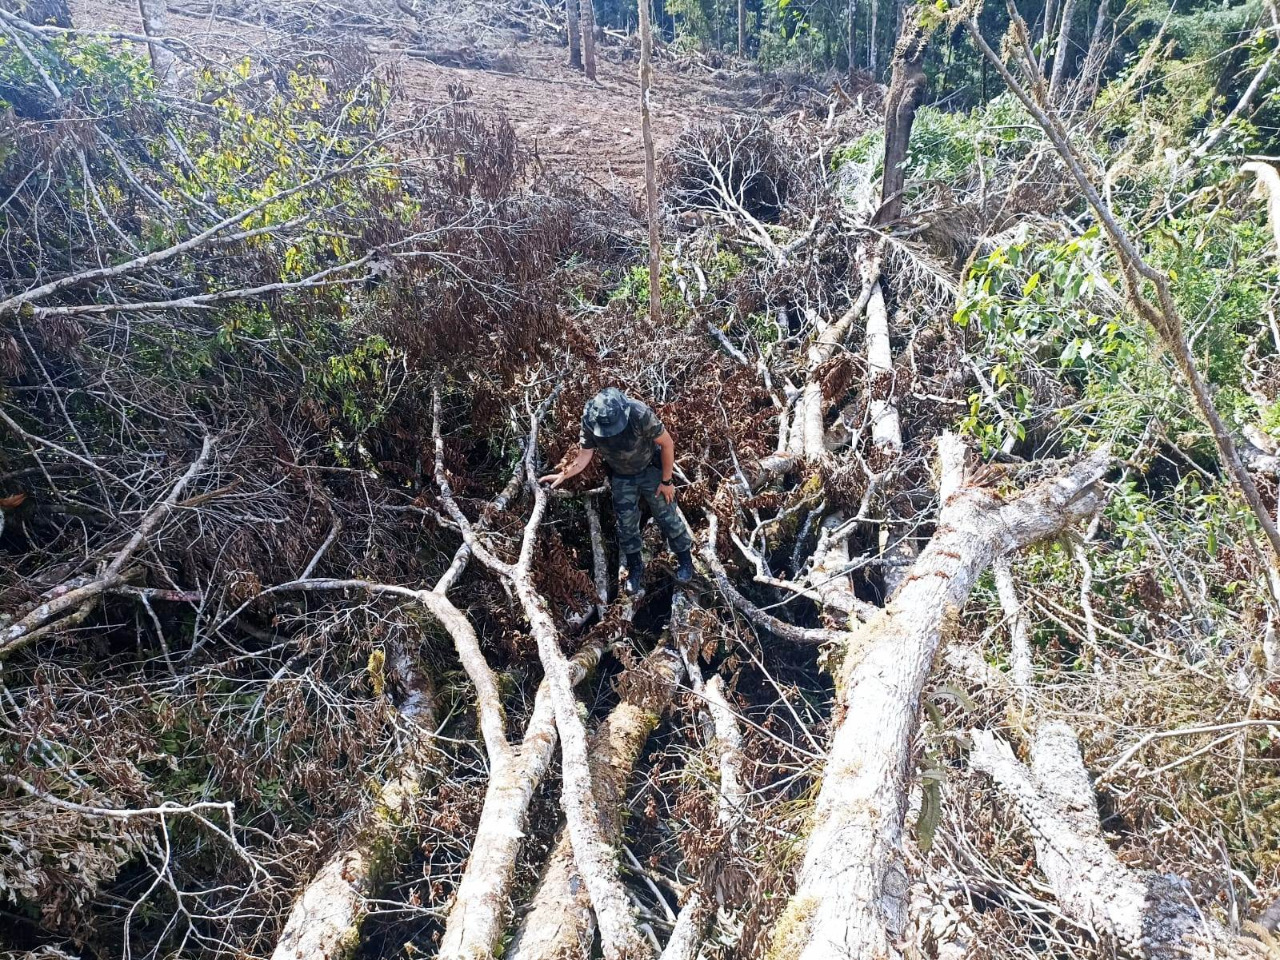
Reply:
x=886, y=427
x=1060, y=55
x=573, y=27
x=1151, y=915
x=871, y=39
x=650, y=173
x=560, y=925
x=851, y=34
x=478, y=915
x=326, y=918
x=588, y=38
x=849, y=901
x=905, y=90
x=155, y=23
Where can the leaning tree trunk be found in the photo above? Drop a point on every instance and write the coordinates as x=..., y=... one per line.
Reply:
x=1150, y=915
x=849, y=901
x=560, y=924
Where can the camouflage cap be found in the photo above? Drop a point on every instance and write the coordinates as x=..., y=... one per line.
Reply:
x=607, y=413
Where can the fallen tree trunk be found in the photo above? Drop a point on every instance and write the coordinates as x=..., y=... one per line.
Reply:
x=325, y=919
x=849, y=901
x=686, y=940
x=1151, y=915
x=560, y=924
x=478, y=916
x=595, y=857
x=886, y=426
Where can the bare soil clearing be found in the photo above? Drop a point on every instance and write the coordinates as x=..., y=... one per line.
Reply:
x=564, y=118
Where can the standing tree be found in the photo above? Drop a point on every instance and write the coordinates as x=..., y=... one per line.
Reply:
x=650, y=176
x=573, y=24
x=155, y=21
x=851, y=34
x=588, y=24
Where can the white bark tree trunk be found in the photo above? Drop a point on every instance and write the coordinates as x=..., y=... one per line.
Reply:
x=478, y=916
x=1019, y=631
x=849, y=901
x=1151, y=915
x=325, y=920
x=1060, y=54
x=560, y=924
x=155, y=23
x=886, y=429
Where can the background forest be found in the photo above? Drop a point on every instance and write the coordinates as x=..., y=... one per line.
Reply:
x=965, y=328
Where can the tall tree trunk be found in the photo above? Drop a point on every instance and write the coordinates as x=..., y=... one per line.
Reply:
x=1060, y=55
x=1086, y=88
x=905, y=89
x=155, y=23
x=872, y=30
x=1050, y=18
x=850, y=899
x=742, y=28
x=650, y=173
x=851, y=33
x=588, y=38
x=573, y=26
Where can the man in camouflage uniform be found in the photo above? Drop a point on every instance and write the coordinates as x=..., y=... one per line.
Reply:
x=640, y=456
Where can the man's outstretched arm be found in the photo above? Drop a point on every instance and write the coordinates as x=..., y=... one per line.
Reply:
x=580, y=463
x=668, y=448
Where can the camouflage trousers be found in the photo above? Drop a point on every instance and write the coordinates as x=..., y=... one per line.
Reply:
x=627, y=492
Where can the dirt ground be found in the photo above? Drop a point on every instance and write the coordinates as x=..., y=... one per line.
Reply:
x=522, y=73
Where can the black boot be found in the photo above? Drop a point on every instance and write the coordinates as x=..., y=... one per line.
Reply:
x=684, y=569
x=635, y=573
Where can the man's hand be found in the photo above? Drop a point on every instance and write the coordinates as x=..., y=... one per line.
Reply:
x=555, y=479
x=667, y=491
